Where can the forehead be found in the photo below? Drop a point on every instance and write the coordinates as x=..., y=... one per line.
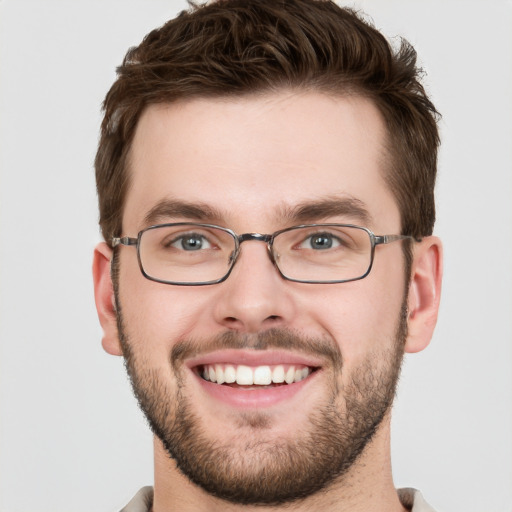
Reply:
x=249, y=159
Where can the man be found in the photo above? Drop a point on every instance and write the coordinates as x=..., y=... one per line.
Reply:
x=265, y=177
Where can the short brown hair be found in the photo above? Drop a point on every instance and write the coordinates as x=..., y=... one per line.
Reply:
x=239, y=47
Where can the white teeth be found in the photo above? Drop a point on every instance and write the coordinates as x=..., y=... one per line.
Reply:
x=229, y=374
x=219, y=372
x=263, y=375
x=278, y=374
x=301, y=374
x=260, y=375
x=290, y=375
x=244, y=376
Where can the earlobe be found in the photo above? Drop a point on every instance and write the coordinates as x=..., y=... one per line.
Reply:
x=424, y=293
x=104, y=297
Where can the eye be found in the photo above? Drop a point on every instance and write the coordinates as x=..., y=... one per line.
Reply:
x=191, y=242
x=320, y=242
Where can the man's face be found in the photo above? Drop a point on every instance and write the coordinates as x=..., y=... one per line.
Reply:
x=257, y=165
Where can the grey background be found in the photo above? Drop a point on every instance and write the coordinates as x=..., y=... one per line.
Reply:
x=71, y=436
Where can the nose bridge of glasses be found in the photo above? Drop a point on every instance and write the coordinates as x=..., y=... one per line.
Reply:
x=254, y=236
x=258, y=237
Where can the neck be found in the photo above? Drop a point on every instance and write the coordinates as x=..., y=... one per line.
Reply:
x=367, y=486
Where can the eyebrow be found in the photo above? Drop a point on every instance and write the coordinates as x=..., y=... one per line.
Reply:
x=171, y=209
x=333, y=206
x=305, y=212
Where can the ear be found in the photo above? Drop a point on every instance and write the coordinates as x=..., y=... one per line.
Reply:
x=104, y=296
x=424, y=293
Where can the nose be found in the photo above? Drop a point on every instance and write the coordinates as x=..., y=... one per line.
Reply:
x=254, y=297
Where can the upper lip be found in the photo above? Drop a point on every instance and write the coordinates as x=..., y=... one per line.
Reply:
x=254, y=358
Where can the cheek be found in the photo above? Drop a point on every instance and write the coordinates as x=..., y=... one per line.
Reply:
x=155, y=315
x=362, y=316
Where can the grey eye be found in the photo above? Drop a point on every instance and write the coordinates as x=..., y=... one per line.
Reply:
x=191, y=242
x=320, y=241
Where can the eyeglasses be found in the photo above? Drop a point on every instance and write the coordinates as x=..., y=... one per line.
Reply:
x=192, y=254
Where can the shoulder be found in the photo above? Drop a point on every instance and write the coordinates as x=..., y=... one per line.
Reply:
x=413, y=500
x=141, y=502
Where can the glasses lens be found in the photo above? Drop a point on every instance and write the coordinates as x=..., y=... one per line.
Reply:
x=323, y=253
x=186, y=253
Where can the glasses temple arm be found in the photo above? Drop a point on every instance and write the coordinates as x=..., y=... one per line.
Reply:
x=125, y=240
x=387, y=239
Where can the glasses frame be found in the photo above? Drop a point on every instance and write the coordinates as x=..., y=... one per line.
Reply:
x=266, y=238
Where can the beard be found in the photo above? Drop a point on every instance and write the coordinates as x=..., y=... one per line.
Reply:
x=259, y=469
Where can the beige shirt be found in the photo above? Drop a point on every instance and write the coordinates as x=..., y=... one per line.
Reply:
x=410, y=499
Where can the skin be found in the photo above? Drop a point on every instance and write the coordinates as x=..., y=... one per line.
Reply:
x=249, y=158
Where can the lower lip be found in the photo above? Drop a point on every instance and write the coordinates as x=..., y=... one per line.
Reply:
x=254, y=398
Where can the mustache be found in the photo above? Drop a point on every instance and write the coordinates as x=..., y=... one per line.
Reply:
x=277, y=338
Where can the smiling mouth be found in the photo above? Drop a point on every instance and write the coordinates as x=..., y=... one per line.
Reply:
x=250, y=377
